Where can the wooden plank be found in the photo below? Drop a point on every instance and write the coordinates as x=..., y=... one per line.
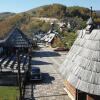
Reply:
x=88, y=97
x=70, y=88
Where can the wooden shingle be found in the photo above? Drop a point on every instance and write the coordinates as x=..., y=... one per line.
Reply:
x=82, y=64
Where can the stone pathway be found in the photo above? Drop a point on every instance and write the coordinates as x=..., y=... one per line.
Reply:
x=51, y=87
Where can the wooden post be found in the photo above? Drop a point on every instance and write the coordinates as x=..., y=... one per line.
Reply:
x=88, y=97
x=19, y=75
x=76, y=98
x=29, y=65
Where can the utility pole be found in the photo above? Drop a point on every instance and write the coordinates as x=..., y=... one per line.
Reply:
x=19, y=75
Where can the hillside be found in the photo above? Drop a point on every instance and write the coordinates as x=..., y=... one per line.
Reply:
x=30, y=22
x=59, y=11
x=98, y=12
x=5, y=14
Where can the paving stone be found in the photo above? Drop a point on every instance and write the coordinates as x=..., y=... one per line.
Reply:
x=51, y=88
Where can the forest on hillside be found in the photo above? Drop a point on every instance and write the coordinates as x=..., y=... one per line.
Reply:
x=27, y=22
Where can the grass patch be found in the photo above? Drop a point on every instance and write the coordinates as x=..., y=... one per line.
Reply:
x=8, y=93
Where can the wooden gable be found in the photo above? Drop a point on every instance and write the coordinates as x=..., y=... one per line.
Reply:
x=17, y=38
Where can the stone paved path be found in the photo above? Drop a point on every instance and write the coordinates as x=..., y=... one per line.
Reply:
x=51, y=87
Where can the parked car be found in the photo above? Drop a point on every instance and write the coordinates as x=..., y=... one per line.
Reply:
x=61, y=49
x=35, y=74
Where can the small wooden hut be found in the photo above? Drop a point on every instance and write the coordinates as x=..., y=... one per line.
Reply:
x=52, y=38
x=81, y=68
x=16, y=39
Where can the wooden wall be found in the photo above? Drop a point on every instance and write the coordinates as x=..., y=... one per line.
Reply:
x=92, y=97
x=79, y=95
x=89, y=97
x=70, y=88
x=56, y=42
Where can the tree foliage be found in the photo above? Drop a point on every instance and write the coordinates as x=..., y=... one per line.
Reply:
x=60, y=11
x=26, y=21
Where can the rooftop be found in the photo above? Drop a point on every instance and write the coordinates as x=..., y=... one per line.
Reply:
x=82, y=64
x=16, y=38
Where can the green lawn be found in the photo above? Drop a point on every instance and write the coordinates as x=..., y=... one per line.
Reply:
x=8, y=93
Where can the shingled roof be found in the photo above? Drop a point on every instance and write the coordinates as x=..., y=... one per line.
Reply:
x=82, y=64
x=90, y=21
x=16, y=38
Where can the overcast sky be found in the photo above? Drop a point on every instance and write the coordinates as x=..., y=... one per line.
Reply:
x=24, y=5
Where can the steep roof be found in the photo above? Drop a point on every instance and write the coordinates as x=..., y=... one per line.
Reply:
x=50, y=36
x=90, y=21
x=82, y=64
x=16, y=38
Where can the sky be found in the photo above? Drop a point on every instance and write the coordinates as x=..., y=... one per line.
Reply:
x=24, y=5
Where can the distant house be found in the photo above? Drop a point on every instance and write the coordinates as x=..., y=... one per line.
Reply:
x=63, y=27
x=38, y=35
x=16, y=39
x=81, y=68
x=98, y=25
x=52, y=39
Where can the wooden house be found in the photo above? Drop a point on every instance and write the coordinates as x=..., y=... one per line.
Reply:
x=81, y=68
x=16, y=39
x=52, y=38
